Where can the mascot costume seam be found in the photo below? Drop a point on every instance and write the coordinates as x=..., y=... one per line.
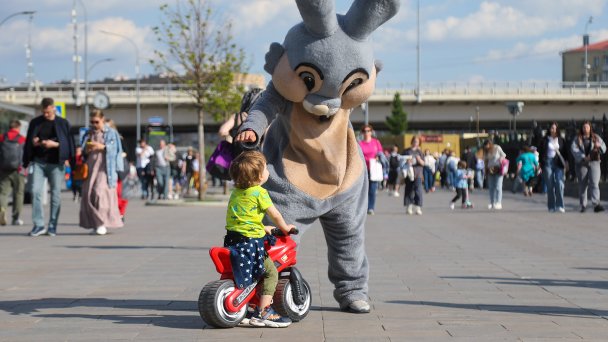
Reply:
x=324, y=68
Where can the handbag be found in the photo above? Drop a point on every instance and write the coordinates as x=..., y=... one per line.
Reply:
x=504, y=167
x=220, y=160
x=408, y=172
x=560, y=161
x=375, y=171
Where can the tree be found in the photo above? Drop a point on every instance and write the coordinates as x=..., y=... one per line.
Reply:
x=200, y=53
x=397, y=122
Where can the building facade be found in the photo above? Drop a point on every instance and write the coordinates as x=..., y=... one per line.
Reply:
x=573, y=63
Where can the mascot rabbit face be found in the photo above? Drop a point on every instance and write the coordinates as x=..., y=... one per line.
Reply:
x=326, y=62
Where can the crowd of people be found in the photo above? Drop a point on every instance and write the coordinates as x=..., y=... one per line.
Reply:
x=536, y=167
x=100, y=171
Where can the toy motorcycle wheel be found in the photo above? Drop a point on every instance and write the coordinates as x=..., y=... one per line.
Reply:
x=283, y=300
x=211, y=305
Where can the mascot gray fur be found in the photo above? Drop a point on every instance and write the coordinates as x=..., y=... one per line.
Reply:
x=324, y=69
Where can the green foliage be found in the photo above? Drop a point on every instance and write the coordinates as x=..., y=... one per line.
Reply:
x=397, y=122
x=198, y=51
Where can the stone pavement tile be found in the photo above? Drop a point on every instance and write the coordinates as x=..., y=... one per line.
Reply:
x=392, y=325
x=370, y=328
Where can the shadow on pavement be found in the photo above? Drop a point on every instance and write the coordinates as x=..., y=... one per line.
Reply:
x=162, y=319
x=524, y=309
x=595, y=284
x=140, y=247
x=591, y=268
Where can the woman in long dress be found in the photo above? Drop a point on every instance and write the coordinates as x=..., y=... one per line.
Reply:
x=103, y=152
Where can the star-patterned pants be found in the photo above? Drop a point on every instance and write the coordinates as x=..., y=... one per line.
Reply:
x=250, y=262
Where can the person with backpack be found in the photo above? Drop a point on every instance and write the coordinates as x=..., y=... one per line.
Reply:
x=11, y=172
x=394, y=166
x=48, y=146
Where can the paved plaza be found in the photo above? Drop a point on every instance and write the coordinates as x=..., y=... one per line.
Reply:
x=521, y=274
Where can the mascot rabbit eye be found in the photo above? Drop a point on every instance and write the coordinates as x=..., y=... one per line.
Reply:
x=309, y=80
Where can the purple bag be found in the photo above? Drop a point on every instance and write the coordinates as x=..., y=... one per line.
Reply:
x=219, y=162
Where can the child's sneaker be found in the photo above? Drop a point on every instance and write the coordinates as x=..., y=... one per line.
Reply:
x=469, y=205
x=452, y=205
x=269, y=318
x=463, y=206
x=250, y=313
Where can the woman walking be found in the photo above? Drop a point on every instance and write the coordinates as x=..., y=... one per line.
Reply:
x=553, y=160
x=370, y=147
x=494, y=157
x=103, y=152
x=587, y=149
x=413, y=187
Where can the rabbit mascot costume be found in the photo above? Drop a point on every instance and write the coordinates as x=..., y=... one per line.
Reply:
x=324, y=69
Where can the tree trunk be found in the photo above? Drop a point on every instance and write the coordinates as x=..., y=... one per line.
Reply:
x=202, y=172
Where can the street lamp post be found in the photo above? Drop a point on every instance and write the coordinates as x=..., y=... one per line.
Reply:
x=477, y=112
x=418, y=94
x=138, y=108
x=586, y=44
x=16, y=14
x=86, y=65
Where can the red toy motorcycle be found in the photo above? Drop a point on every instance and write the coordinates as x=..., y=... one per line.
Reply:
x=223, y=305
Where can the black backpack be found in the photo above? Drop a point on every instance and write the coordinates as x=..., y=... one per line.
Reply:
x=393, y=162
x=11, y=153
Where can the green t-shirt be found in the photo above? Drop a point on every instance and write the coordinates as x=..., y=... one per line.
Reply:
x=246, y=209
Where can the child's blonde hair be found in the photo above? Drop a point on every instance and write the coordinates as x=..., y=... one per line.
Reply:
x=246, y=169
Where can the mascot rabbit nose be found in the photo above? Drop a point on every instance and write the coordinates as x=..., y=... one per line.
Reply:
x=320, y=106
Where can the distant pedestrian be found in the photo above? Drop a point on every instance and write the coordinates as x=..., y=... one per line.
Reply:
x=461, y=177
x=145, y=170
x=48, y=146
x=479, y=169
x=370, y=147
x=162, y=170
x=493, y=159
x=394, y=167
x=527, y=167
x=412, y=199
x=187, y=169
x=11, y=173
x=587, y=149
x=80, y=172
x=451, y=165
x=103, y=153
x=553, y=159
x=429, y=171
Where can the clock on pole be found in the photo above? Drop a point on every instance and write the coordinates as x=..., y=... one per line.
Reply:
x=101, y=100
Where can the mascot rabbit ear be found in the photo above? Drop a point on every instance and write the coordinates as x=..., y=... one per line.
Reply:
x=365, y=16
x=273, y=55
x=319, y=17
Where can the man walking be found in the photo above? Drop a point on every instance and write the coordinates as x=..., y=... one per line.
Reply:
x=162, y=169
x=144, y=153
x=48, y=146
x=11, y=175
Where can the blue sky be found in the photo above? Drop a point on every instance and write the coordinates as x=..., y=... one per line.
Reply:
x=462, y=40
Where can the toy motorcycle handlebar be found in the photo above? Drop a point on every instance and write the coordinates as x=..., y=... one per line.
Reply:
x=278, y=232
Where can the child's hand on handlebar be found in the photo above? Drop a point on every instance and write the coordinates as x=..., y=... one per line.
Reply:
x=292, y=230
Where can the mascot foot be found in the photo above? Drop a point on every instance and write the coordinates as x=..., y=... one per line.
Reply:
x=358, y=306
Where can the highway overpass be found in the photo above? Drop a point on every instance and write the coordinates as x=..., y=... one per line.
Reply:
x=440, y=106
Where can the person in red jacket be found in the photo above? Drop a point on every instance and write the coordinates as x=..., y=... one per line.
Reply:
x=11, y=172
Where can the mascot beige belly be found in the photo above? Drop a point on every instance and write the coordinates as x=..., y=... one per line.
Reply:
x=324, y=69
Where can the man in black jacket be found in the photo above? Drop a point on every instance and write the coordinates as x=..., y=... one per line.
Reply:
x=48, y=146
